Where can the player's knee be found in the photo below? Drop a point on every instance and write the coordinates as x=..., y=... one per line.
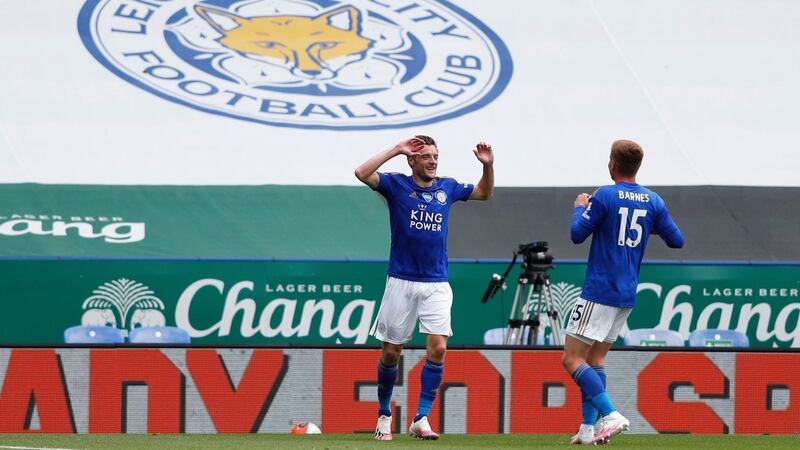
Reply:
x=593, y=360
x=390, y=358
x=390, y=355
x=436, y=351
x=568, y=361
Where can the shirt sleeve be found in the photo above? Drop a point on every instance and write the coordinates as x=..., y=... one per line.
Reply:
x=586, y=220
x=386, y=185
x=461, y=191
x=667, y=229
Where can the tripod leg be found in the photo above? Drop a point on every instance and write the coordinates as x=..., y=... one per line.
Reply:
x=513, y=326
x=526, y=317
x=537, y=320
x=555, y=324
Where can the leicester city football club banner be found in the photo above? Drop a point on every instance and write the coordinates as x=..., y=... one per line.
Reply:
x=250, y=92
x=354, y=65
x=317, y=302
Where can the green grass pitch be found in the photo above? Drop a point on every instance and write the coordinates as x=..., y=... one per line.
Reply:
x=365, y=442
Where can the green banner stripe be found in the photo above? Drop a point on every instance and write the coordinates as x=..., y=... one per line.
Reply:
x=270, y=221
x=265, y=302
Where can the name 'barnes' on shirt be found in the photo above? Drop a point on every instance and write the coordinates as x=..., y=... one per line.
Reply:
x=634, y=196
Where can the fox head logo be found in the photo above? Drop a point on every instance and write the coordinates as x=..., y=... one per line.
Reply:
x=315, y=64
x=313, y=48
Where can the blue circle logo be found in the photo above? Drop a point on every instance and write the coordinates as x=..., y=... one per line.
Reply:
x=316, y=64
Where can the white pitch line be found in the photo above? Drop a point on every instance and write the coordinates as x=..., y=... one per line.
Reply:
x=34, y=448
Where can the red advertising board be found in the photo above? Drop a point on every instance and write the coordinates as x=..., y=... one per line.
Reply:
x=236, y=390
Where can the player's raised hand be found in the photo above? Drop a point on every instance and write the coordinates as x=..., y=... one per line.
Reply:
x=484, y=153
x=410, y=147
x=582, y=199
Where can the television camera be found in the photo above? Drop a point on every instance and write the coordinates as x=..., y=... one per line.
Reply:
x=532, y=297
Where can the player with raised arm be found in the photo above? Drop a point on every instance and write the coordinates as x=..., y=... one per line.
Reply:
x=416, y=288
x=621, y=218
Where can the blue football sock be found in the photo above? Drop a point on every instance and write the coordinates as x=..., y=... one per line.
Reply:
x=431, y=378
x=592, y=386
x=601, y=372
x=588, y=411
x=587, y=408
x=387, y=375
x=603, y=404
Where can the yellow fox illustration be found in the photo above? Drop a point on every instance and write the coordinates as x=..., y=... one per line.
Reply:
x=311, y=47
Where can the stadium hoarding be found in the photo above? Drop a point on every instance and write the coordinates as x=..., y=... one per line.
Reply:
x=261, y=390
x=253, y=302
x=192, y=221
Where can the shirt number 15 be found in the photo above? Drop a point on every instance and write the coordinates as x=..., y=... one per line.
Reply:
x=623, y=238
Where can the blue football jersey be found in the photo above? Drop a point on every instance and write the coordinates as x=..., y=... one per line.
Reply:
x=621, y=218
x=418, y=220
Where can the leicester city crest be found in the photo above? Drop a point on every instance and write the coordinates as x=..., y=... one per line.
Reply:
x=326, y=64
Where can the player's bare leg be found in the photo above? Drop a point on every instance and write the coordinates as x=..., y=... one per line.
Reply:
x=596, y=356
x=575, y=353
x=436, y=347
x=431, y=378
x=390, y=353
x=387, y=375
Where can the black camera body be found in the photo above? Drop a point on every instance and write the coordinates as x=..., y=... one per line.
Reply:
x=535, y=254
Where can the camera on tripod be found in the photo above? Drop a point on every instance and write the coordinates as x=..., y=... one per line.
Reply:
x=532, y=296
x=535, y=254
x=535, y=257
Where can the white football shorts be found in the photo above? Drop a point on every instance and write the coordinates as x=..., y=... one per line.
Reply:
x=590, y=321
x=405, y=303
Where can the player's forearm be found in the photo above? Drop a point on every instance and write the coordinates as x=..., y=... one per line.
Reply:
x=485, y=187
x=366, y=171
x=674, y=239
x=578, y=231
x=669, y=231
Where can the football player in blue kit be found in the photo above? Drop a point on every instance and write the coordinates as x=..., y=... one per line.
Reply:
x=621, y=218
x=416, y=287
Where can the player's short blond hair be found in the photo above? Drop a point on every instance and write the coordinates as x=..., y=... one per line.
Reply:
x=627, y=156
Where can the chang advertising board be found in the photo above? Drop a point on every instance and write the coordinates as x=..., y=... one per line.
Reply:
x=313, y=64
x=287, y=314
x=328, y=302
x=111, y=229
x=769, y=313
